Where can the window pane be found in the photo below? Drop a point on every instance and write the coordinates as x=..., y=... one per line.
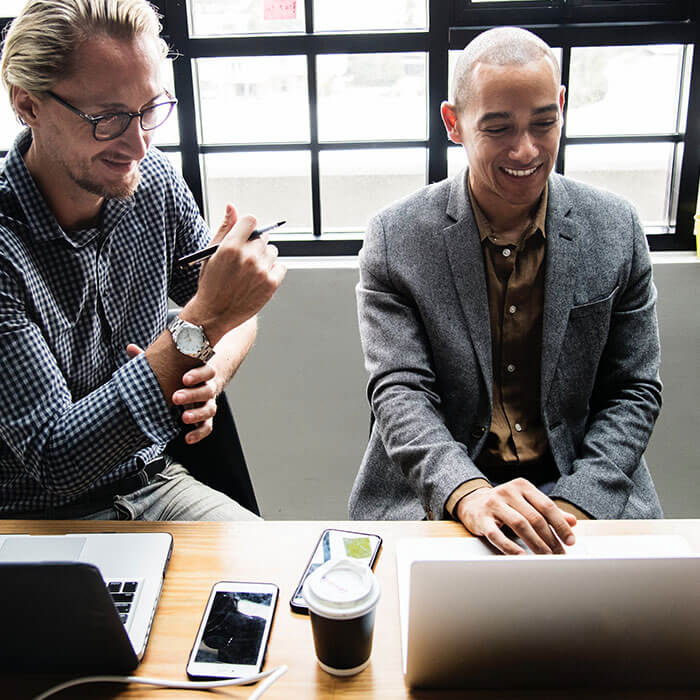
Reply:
x=272, y=186
x=356, y=184
x=11, y=8
x=229, y=17
x=253, y=99
x=624, y=90
x=369, y=15
x=168, y=133
x=9, y=125
x=639, y=172
x=368, y=97
x=686, y=92
x=456, y=160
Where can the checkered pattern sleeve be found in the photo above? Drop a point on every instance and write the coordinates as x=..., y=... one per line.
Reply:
x=192, y=234
x=77, y=412
x=64, y=444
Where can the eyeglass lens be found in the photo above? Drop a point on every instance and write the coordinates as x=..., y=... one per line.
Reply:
x=116, y=124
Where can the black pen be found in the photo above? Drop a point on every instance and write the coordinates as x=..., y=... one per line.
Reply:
x=205, y=253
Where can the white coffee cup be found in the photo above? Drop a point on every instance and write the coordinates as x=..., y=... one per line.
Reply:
x=342, y=597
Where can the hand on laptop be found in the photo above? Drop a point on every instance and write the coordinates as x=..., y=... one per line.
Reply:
x=522, y=507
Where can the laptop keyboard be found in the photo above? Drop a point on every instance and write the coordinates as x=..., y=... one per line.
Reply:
x=124, y=595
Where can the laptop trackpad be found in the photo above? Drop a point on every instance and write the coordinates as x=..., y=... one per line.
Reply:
x=33, y=548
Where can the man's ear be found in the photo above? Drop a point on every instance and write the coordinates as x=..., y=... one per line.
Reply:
x=449, y=119
x=26, y=105
x=562, y=97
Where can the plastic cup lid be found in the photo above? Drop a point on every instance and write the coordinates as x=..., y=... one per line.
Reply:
x=341, y=588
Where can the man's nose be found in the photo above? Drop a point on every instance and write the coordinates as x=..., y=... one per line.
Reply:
x=137, y=139
x=524, y=149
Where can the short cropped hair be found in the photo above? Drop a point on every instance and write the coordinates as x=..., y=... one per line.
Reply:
x=502, y=46
x=39, y=45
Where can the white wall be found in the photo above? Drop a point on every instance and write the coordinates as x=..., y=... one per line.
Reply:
x=300, y=405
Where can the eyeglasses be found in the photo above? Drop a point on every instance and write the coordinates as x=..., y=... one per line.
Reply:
x=106, y=127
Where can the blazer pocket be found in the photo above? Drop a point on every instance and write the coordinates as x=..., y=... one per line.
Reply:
x=593, y=307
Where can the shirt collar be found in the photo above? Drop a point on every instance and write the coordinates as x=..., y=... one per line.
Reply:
x=40, y=221
x=537, y=224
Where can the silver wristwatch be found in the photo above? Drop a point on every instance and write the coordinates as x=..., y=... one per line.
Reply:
x=190, y=339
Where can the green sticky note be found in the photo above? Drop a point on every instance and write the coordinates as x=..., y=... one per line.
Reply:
x=357, y=547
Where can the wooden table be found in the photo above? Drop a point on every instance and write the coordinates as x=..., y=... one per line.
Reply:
x=205, y=553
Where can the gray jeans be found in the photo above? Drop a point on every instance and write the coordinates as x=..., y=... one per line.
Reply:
x=174, y=494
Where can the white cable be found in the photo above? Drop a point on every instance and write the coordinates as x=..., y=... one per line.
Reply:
x=274, y=675
x=270, y=676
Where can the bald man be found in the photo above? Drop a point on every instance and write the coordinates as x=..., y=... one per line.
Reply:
x=508, y=323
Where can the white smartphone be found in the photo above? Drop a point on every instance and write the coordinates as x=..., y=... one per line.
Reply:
x=232, y=637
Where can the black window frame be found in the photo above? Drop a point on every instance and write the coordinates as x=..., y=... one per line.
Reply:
x=451, y=25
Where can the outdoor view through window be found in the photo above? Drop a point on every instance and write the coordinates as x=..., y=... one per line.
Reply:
x=370, y=116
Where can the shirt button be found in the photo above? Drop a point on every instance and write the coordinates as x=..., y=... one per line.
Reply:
x=512, y=309
x=518, y=427
x=511, y=368
x=506, y=252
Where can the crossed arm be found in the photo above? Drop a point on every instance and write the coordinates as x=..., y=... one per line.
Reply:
x=201, y=385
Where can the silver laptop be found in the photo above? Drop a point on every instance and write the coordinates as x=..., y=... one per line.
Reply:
x=79, y=601
x=614, y=611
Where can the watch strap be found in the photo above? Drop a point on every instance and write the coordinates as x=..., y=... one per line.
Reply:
x=205, y=352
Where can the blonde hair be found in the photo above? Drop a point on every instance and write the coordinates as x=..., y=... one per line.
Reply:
x=502, y=46
x=39, y=45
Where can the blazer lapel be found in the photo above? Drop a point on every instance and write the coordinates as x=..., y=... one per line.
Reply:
x=560, y=272
x=466, y=260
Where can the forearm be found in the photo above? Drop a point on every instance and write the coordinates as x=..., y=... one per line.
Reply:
x=601, y=476
x=231, y=350
x=168, y=364
x=421, y=445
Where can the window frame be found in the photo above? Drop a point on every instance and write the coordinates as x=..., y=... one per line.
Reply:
x=311, y=45
x=573, y=34
x=451, y=25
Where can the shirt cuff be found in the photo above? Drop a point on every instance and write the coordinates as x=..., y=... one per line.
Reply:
x=571, y=508
x=140, y=391
x=463, y=490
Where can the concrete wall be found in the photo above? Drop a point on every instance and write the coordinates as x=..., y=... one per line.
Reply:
x=302, y=415
x=674, y=450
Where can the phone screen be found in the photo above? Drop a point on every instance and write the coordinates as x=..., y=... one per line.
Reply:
x=232, y=639
x=337, y=544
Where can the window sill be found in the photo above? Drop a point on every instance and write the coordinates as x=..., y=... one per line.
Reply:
x=665, y=257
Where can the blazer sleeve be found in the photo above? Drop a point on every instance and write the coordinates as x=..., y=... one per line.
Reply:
x=626, y=398
x=402, y=390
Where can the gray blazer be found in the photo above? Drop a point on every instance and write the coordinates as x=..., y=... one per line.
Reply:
x=424, y=325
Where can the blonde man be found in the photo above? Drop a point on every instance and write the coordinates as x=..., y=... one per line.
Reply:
x=92, y=222
x=508, y=322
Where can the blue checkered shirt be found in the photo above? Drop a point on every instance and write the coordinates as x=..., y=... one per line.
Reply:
x=76, y=413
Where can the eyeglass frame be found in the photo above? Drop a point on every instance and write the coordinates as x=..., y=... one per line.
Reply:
x=95, y=120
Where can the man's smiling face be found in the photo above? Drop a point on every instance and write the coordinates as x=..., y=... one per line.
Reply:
x=111, y=76
x=510, y=127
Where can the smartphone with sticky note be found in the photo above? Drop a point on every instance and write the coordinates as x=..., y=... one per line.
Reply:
x=362, y=547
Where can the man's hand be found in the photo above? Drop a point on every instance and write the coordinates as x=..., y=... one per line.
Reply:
x=197, y=396
x=237, y=281
x=519, y=505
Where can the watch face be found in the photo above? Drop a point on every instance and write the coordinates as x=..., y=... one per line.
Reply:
x=189, y=340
